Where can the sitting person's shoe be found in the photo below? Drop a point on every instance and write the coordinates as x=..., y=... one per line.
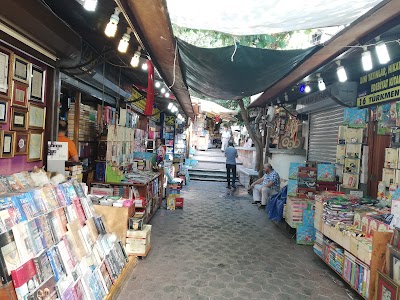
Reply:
x=256, y=202
x=261, y=207
x=228, y=186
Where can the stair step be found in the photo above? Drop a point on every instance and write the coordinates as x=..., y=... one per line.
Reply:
x=207, y=179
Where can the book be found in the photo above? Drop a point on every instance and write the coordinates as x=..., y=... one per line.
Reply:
x=42, y=266
x=79, y=210
x=9, y=257
x=92, y=229
x=56, y=263
x=7, y=214
x=67, y=260
x=98, y=221
x=60, y=196
x=87, y=206
x=105, y=277
x=20, y=179
x=49, y=200
x=25, y=279
x=75, y=239
x=13, y=183
x=4, y=186
x=45, y=229
x=19, y=212
x=37, y=197
x=47, y=288
x=78, y=189
x=28, y=178
x=86, y=238
x=23, y=242
x=70, y=213
x=35, y=234
x=56, y=226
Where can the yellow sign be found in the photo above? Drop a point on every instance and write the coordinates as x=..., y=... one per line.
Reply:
x=139, y=102
x=135, y=96
x=382, y=96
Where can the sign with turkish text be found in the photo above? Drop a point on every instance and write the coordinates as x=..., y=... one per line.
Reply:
x=380, y=85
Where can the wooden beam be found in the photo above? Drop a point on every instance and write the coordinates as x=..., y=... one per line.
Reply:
x=153, y=23
x=379, y=16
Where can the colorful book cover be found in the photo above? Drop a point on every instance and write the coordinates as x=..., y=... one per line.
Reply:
x=21, y=180
x=56, y=263
x=60, y=195
x=67, y=261
x=292, y=188
x=106, y=279
x=294, y=169
x=75, y=239
x=98, y=221
x=19, y=212
x=50, y=199
x=37, y=197
x=28, y=178
x=355, y=117
x=44, y=227
x=9, y=257
x=79, y=210
x=8, y=215
x=49, y=286
x=23, y=242
x=42, y=266
x=56, y=226
x=70, y=213
x=5, y=187
x=13, y=183
x=78, y=189
x=25, y=279
x=326, y=172
x=27, y=200
x=35, y=236
x=69, y=190
x=87, y=207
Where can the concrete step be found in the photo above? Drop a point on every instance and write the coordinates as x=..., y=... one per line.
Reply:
x=211, y=179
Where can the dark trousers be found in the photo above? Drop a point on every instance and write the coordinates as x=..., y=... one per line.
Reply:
x=228, y=174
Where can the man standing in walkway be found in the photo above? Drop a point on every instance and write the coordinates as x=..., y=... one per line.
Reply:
x=265, y=186
x=225, y=137
x=231, y=154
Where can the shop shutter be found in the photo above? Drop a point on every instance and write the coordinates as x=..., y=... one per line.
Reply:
x=324, y=127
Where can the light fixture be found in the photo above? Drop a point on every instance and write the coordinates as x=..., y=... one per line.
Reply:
x=307, y=89
x=111, y=27
x=170, y=105
x=162, y=90
x=180, y=116
x=157, y=84
x=124, y=42
x=366, y=59
x=144, y=66
x=341, y=72
x=382, y=53
x=167, y=95
x=286, y=97
x=321, y=83
x=90, y=5
x=278, y=101
x=135, y=58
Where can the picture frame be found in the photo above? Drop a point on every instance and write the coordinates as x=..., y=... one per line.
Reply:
x=21, y=69
x=19, y=94
x=37, y=116
x=35, y=146
x=37, y=86
x=3, y=111
x=7, y=139
x=393, y=263
x=6, y=59
x=21, y=143
x=396, y=238
x=385, y=288
x=19, y=119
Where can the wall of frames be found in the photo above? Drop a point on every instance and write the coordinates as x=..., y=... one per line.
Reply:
x=22, y=111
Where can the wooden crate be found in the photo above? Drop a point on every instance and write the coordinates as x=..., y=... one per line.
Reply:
x=116, y=219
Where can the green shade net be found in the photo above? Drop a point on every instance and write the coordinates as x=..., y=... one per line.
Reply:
x=212, y=73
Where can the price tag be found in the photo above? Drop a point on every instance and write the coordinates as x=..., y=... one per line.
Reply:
x=57, y=151
x=358, y=194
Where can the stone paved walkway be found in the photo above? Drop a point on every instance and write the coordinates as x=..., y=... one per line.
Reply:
x=222, y=247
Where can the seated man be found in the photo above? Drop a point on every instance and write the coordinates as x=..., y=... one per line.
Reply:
x=265, y=186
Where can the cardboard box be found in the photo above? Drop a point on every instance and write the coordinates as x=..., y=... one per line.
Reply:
x=140, y=234
x=179, y=202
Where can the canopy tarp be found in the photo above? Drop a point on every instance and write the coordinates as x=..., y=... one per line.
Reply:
x=240, y=17
x=212, y=72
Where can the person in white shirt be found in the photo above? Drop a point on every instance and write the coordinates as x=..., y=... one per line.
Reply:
x=225, y=137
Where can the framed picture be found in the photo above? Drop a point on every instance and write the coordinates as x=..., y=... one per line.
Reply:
x=21, y=69
x=38, y=77
x=19, y=94
x=3, y=110
x=385, y=288
x=393, y=263
x=19, y=119
x=21, y=143
x=35, y=146
x=396, y=238
x=6, y=57
x=37, y=116
x=7, y=139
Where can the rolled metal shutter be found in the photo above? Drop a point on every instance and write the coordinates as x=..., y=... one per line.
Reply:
x=322, y=140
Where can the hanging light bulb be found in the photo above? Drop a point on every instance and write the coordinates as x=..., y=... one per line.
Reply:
x=90, y=5
x=278, y=101
x=124, y=42
x=286, y=97
x=170, y=105
x=321, y=83
x=162, y=90
x=366, y=59
x=382, y=53
x=341, y=72
x=157, y=84
x=307, y=89
x=111, y=27
x=135, y=58
x=167, y=95
x=144, y=66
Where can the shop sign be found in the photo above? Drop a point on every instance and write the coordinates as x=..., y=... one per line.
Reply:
x=380, y=85
x=345, y=92
x=138, y=102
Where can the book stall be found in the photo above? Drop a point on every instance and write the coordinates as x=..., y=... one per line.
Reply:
x=54, y=244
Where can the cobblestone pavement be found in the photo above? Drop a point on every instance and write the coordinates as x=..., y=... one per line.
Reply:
x=220, y=246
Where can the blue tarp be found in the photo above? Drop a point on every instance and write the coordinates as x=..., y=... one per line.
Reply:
x=275, y=205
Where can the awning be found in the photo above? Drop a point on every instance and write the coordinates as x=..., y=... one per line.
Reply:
x=215, y=109
x=235, y=72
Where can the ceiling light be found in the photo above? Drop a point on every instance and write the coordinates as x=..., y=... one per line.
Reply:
x=366, y=59
x=286, y=97
x=341, y=72
x=321, y=83
x=307, y=88
x=124, y=42
x=144, y=66
x=170, y=106
x=157, y=84
x=382, y=52
x=167, y=95
x=135, y=58
x=180, y=116
x=111, y=27
x=163, y=91
x=278, y=101
x=90, y=5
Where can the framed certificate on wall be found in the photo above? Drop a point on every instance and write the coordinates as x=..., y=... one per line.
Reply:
x=38, y=76
x=6, y=57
